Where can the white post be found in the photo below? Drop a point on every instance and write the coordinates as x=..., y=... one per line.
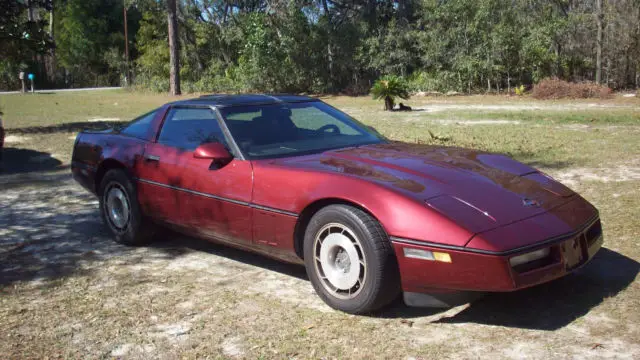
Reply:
x=21, y=77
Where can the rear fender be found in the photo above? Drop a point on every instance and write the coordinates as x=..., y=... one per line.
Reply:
x=95, y=153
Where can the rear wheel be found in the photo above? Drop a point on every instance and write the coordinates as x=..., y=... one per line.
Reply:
x=349, y=260
x=120, y=210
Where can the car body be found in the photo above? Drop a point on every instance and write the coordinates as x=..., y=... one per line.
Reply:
x=448, y=221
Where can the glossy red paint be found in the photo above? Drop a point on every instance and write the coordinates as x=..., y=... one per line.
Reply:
x=480, y=208
x=469, y=192
x=212, y=151
x=489, y=272
x=181, y=189
x=557, y=221
x=95, y=151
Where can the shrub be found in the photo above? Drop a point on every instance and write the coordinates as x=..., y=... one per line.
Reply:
x=559, y=89
x=441, y=81
x=9, y=75
x=389, y=88
x=146, y=82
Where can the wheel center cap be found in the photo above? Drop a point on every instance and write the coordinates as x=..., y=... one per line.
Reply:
x=338, y=258
x=343, y=263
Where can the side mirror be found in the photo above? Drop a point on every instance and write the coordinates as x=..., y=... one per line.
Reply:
x=214, y=151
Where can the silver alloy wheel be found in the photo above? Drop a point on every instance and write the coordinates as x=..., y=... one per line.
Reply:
x=339, y=261
x=117, y=206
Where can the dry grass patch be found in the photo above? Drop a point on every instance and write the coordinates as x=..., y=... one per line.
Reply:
x=68, y=291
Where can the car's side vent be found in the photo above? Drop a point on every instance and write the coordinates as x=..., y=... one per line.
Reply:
x=593, y=233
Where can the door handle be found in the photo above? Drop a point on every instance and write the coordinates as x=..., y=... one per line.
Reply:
x=152, y=158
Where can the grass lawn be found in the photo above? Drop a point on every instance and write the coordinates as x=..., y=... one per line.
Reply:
x=67, y=291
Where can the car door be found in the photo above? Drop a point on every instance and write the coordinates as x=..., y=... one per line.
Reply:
x=192, y=193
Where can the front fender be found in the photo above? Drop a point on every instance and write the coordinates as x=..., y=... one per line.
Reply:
x=292, y=190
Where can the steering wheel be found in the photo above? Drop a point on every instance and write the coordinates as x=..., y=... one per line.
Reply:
x=334, y=129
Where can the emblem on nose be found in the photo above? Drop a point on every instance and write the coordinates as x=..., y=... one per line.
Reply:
x=526, y=202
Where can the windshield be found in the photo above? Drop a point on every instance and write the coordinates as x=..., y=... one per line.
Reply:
x=290, y=129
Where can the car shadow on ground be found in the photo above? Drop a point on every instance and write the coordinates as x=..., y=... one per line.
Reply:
x=16, y=160
x=174, y=244
x=548, y=306
x=545, y=307
x=52, y=230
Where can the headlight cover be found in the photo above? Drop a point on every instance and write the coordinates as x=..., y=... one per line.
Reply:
x=529, y=257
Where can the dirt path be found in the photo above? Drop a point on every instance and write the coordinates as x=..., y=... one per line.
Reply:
x=68, y=291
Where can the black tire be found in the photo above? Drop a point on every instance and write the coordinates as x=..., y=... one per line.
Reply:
x=381, y=283
x=137, y=230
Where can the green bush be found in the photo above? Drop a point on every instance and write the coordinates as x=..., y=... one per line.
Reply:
x=442, y=81
x=389, y=88
x=9, y=75
x=151, y=83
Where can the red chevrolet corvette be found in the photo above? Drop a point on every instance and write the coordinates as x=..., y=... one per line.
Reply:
x=298, y=180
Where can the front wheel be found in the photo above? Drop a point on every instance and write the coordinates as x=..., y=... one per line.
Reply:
x=349, y=260
x=120, y=210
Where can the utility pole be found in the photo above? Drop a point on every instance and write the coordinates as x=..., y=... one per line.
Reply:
x=599, y=18
x=126, y=46
x=174, y=58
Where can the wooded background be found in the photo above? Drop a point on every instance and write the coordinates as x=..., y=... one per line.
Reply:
x=320, y=46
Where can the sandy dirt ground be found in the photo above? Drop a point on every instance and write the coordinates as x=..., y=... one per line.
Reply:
x=67, y=280
x=67, y=291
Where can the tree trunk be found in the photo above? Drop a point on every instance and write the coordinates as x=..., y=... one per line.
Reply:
x=127, y=77
x=51, y=20
x=174, y=58
x=388, y=103
x=405, y=9
x=325, y=7
x=371, y=13
x=559, y=70
x=29, y=11
x=599, y=17
x=51, y=61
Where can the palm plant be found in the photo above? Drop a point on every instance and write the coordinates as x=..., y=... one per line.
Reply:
x=389, y=88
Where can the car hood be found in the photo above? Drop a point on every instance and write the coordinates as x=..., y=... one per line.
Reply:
x=478, y=190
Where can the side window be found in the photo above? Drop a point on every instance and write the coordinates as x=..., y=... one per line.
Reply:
x=139, y=127
x=187, y=128
x=312, y=118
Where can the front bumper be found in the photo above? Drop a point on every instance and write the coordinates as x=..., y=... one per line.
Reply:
x=482, y=271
